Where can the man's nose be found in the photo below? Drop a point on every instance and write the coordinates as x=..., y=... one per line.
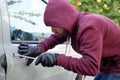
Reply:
x=53, y=30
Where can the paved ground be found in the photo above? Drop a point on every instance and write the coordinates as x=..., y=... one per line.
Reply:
x=89, y=78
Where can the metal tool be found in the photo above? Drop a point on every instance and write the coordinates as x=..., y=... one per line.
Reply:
x=18, y=55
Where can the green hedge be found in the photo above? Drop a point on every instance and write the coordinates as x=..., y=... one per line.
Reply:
x=109, y=8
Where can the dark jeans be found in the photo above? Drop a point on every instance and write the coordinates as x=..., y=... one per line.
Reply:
x=111, y=76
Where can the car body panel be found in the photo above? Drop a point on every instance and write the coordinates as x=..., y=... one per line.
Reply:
x=2, y=72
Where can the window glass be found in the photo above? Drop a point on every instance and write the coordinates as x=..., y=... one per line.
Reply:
x=26, y=20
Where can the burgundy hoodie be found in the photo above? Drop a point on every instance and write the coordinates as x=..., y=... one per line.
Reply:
x=95, y=37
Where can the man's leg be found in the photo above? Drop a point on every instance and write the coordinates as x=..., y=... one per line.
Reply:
x=111, y=76
x=98, y=76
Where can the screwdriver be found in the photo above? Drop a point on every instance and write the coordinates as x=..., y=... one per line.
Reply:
x=18, y=55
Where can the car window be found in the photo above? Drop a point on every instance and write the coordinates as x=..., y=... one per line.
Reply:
x=26, y=20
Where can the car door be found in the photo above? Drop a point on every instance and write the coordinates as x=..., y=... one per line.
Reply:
x=22, y=21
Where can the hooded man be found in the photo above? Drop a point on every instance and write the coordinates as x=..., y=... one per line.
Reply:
x=95, y=37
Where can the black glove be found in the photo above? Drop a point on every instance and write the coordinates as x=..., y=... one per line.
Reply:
x=47, y=59
x=27, y=50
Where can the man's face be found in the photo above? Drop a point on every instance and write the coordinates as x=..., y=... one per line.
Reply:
x=59, y=31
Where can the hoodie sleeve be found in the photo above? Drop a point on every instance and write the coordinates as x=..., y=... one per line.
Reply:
x=91, y=42
x=51, y=42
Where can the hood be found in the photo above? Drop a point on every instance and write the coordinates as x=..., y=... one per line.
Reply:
x=60, y=13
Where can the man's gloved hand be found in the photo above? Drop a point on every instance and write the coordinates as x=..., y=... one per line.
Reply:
x=27, y=50
x=47, y=59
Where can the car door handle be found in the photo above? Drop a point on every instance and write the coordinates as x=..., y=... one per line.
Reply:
x=3, y=62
